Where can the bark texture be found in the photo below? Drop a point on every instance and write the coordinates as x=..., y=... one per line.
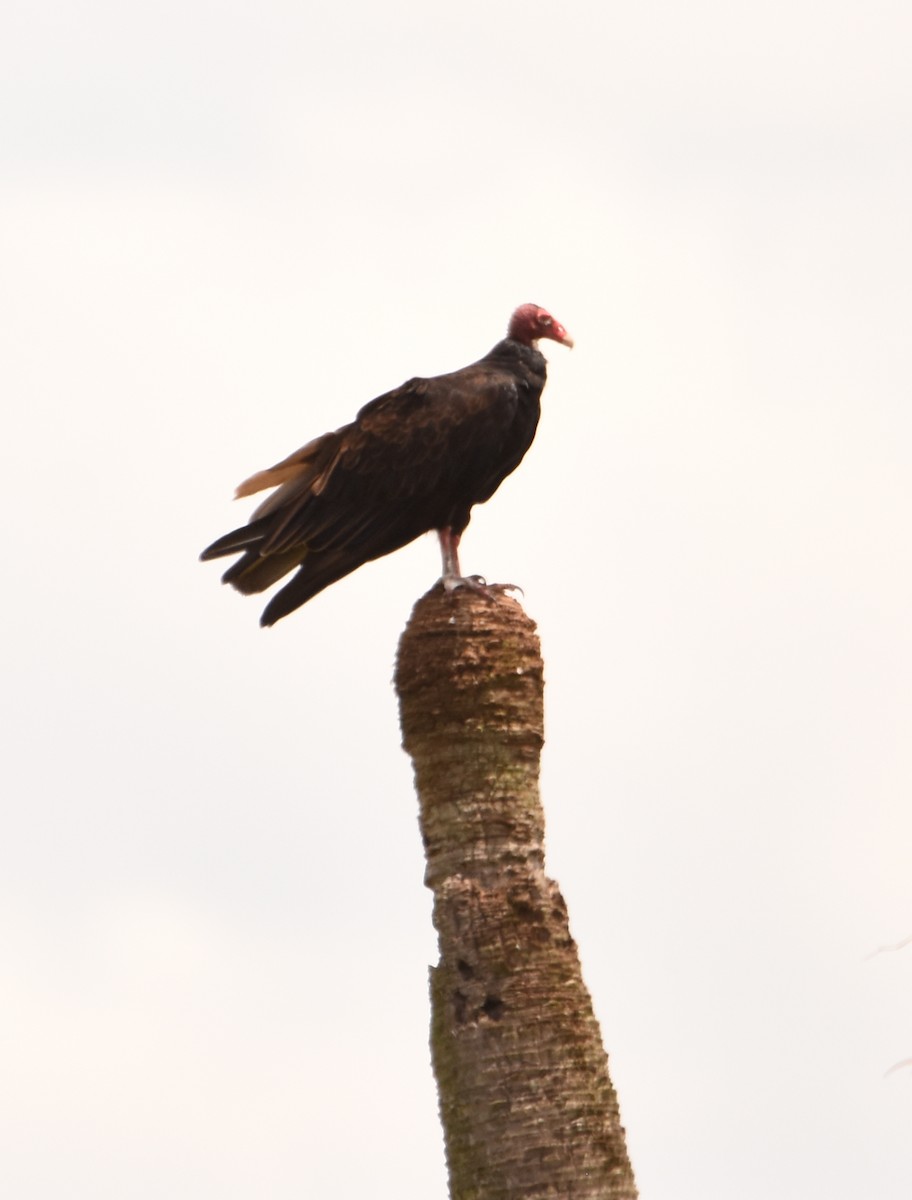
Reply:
x=527, y=1106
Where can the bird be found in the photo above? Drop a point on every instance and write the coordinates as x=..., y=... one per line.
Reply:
x=413, y=460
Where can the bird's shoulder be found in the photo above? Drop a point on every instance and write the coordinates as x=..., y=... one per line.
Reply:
x=453, y=397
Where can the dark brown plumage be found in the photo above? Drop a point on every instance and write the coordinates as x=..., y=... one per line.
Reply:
x=415, y=459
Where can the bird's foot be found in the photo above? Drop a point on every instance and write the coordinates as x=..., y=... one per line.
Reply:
x=479, y=585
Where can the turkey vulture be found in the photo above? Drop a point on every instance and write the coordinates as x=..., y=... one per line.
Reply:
x=413, y=460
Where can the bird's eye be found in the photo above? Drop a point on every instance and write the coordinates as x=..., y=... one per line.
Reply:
x=544, y=320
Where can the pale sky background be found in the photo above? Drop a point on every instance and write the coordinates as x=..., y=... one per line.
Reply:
x=223, y=228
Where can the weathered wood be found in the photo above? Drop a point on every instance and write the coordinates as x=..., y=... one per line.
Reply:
x=527, y=1105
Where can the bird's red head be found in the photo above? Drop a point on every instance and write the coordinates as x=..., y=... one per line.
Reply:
x=531, y=322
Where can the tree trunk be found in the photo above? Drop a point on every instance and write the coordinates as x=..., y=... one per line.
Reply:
x=527, y=1106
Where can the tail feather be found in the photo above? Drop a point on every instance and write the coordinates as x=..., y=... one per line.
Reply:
x=235, y=542
x=294, y=527
x=255, y=572
x=312, y=578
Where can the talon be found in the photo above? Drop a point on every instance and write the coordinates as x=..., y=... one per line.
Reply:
x=453, y=579
x=479, y=585
x=473, y=583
